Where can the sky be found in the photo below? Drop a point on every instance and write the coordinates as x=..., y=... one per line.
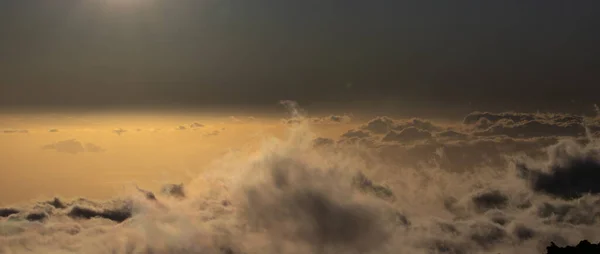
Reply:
x=286, y=127
x=373, y=55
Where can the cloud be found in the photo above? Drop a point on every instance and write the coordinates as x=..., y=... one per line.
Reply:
x=525, y=125
x=196, y=125
x=213, y=133
x=573, y=170
x=53, y=130
x=332, y=119
x=409, y=134
x=356, y=134
x=380, y=125
x=384, y=124
x=376, y=197
x=5, y=212
x=73, y=146
x=323, y=142
x=9, y=131
x=451, y=134
x=119, y=131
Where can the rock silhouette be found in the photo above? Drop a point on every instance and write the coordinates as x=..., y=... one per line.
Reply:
x=583, y=247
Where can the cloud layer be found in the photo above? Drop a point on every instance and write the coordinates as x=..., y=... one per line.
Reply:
x=387, y=186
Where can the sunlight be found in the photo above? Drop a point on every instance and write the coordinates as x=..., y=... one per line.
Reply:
x=125, y=4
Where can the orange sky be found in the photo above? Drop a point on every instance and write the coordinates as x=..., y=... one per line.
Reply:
x=150, y=153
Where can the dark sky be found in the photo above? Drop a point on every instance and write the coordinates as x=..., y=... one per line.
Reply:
x=96, y=53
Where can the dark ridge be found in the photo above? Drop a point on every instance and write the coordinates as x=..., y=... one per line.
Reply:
x=583, y=247
x=117, y=215
x=5, y=212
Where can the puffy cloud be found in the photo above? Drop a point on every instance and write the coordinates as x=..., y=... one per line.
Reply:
x=292, y=198
x=356, y=134
x=409, y=134
x=572, y=171
x=380, y=125
x=73, y=146
x=525, y=125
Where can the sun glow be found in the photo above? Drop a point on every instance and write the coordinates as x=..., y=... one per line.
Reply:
x=125, y=4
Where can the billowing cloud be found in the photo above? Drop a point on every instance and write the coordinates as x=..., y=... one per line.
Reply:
x=382, y=197
x=73, y=146
x=572, y=171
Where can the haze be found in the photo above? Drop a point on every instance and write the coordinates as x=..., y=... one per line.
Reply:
x=298, y=127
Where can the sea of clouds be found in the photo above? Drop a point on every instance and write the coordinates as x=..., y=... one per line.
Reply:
x=495, y=183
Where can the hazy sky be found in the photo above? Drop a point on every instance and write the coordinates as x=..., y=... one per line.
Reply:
x=522, y=54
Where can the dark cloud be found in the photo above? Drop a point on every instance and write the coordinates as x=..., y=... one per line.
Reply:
x=37, y=216
x=53, y=130
x=118, y=214
x=73, y=146
x=293, y=196
x=492, y=199
x=5, y=212
x=572, y=171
